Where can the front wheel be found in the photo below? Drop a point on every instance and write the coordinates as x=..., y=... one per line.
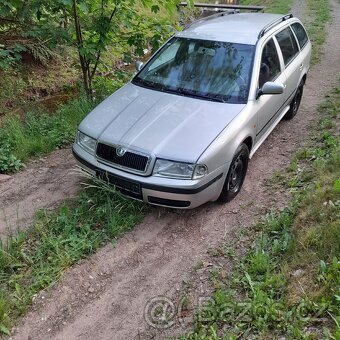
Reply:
x=236, y=174
x=295, y=104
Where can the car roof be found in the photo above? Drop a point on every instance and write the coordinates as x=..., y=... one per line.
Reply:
x=242, y=28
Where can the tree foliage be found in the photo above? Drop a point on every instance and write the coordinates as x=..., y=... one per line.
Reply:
x=89, y=25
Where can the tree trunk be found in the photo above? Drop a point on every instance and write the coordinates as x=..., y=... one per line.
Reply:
x=83, y=62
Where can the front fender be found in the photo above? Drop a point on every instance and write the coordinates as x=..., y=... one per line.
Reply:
x=221, y=151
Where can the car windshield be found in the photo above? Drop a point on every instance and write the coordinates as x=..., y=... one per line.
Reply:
x=212, y=70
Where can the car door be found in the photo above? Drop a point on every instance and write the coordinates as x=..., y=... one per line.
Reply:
x=293, y=61
x=268, y=107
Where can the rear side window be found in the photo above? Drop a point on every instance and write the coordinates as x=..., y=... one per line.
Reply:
x=300, y=34
x=288, y=45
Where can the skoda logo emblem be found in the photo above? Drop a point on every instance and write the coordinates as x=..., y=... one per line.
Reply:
x=120, y=151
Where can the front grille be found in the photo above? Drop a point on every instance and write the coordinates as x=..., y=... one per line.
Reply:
x=128, y=160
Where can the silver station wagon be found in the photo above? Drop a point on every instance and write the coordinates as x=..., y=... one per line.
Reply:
x=182, y=131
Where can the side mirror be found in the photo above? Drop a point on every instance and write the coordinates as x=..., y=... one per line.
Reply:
x=139, y=65
x=270, y=88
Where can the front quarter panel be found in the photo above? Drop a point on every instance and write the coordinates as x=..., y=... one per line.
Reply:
x=220, y=153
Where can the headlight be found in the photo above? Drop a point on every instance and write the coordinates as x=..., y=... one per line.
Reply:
x=86, y=142
x=179, y=170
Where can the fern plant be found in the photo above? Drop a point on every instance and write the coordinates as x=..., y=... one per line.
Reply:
x=39, y=51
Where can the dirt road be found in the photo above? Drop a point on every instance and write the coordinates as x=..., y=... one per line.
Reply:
x=45, y=183
x=105, y=296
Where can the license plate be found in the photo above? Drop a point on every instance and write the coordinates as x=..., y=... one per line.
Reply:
x=121, y=183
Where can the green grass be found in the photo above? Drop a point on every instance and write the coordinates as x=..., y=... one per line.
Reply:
x=288, y=283
x=319, y=12
x=33, y=260
x=28, y=131
x=279, y=6
x=39, y=132
x=36, y=258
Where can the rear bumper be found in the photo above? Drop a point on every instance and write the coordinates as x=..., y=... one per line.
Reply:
x=185, y=194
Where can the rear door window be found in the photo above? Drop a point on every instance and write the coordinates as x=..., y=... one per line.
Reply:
x=288, y=45
x=300, y=34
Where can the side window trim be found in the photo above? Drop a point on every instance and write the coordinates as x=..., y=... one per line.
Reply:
x=280, y=51
x=301, y=47
x=296, y=39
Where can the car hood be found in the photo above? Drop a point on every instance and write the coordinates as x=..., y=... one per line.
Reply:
x=161, y=124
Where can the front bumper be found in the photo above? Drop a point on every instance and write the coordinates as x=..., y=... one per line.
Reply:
x=185, y=194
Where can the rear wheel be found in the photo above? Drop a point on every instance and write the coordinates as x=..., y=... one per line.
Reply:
x=236, y=174
x=295, y=104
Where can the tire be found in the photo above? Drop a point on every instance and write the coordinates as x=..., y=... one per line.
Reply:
x=236, y=174
x=295, y=104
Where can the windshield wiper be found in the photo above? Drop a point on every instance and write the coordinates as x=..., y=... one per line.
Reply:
x=148, y=84
x=140, y=81
x=178, y=90
x=197, y=94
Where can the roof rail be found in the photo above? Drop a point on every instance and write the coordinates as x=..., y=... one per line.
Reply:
x=274, y=23
x=225, y=7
